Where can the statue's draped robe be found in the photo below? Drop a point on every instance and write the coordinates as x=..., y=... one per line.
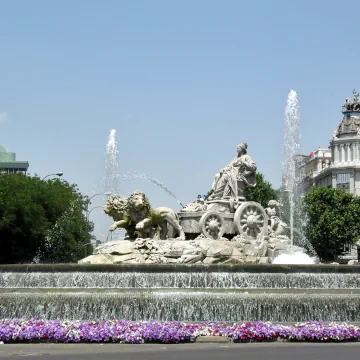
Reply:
x=238, y=175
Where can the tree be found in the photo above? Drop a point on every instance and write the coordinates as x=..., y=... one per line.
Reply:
x=333, y=220
x=262, y=192
x=29, y=210
x=62, y=242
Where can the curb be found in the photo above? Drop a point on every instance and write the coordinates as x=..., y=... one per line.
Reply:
x=213, y=339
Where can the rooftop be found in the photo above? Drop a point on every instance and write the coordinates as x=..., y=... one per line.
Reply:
x=8, y=161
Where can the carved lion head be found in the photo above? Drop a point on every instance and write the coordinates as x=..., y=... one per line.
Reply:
x=138, y=201
x=115, y=205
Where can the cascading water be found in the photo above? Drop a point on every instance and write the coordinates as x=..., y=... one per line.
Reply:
x=291, y=149
x=113, y=176
x=112, y=168
x=181, y=306
x=290, y=188
x=181, y=292
x=131, y=175
x=155, y=279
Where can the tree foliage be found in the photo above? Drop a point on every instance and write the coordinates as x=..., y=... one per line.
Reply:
x=333, y=220
x=262, y=192
x=31, y=211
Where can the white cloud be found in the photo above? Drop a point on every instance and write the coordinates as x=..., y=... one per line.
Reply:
x=3, y=117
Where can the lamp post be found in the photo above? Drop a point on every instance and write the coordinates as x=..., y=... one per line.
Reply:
x=96, y=207
x=89, y=212
x=55, y=174
x=89, y=201
x=106, y=194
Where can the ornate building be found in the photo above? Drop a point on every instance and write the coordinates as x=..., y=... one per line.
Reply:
x=339, y=165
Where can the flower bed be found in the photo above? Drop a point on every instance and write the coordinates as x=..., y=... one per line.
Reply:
x=17, y=330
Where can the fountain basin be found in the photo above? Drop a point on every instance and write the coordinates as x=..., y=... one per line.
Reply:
x=188, y=306
x=223, y=292
x=251, y=278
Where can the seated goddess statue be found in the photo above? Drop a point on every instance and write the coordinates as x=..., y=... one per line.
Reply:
x=235, y=177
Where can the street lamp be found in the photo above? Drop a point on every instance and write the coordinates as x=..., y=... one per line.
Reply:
x=56, y=174
x=89, y=212
x=106, y=193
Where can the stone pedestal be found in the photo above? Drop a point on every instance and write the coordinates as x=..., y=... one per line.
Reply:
x=202, y=250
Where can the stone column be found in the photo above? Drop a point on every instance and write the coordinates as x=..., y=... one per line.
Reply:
x=352, y=183
x=335, y=150
x=350, y=153
x=340, y=150
x=355, y=152
x=333, y=181
x=346, y=152
x=351, y=150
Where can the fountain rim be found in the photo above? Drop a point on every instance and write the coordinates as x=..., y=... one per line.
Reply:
x=180, y=268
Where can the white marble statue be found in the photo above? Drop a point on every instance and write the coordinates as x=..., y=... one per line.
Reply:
x=235, y=177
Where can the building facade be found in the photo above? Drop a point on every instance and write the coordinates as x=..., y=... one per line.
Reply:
x=9, y=164
x=339, y=165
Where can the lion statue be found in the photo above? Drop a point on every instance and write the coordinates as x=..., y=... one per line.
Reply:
x=139, y=219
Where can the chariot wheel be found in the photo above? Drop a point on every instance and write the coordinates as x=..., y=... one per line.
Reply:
x=212, y=225
x=250, y=220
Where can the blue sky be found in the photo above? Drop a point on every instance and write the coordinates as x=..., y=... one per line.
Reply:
x=183, y=82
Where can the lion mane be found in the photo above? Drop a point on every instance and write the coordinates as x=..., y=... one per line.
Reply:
x=128, y=216
x=116, y=206
x=129, y=206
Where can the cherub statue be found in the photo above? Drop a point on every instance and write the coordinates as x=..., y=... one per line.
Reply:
x=276, y=227
x=271, y=212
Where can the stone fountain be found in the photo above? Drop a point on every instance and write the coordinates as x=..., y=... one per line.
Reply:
x=223, y=228
x=210, y=262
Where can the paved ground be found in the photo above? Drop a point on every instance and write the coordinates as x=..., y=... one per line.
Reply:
x=271, y=351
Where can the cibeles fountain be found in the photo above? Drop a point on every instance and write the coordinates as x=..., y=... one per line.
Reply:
x=223, y=228
x=218, y=259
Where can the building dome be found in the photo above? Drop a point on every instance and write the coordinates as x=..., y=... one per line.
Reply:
x=350, y=124
x=2, y=149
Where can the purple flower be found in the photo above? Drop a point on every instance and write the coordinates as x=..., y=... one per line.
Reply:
x=136, y=332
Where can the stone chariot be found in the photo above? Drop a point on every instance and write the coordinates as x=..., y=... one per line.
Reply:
x=222, y=218
x=225, y=212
